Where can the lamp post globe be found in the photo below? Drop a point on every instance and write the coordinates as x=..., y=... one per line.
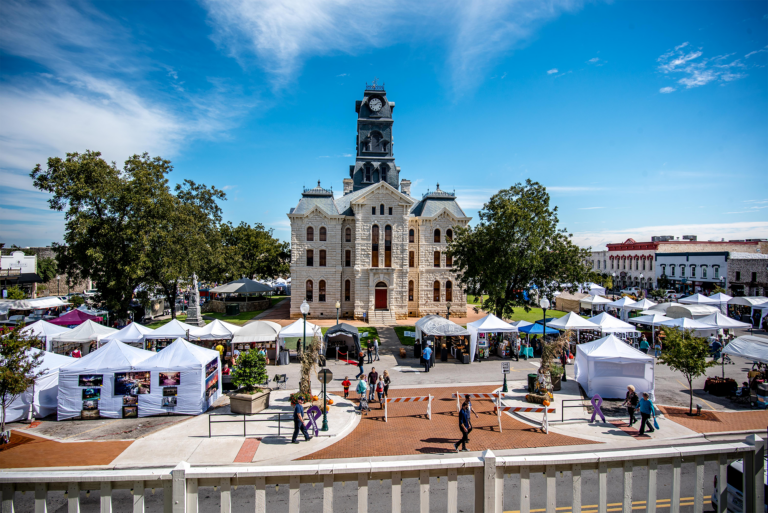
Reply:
x=338, y=305
x=448, y=312
x=544, y=303
x=304, y=309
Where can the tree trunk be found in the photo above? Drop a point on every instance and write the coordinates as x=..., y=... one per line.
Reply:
x=171, y=293
x=690, y=389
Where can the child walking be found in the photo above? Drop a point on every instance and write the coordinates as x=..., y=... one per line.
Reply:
x=380, y=390
x=346, y=384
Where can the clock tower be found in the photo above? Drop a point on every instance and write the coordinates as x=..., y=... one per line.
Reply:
x=374, y=160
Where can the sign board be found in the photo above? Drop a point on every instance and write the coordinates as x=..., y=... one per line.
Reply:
x=409, y=334
x=325, y=376
x=505, y=367
x=364, y=334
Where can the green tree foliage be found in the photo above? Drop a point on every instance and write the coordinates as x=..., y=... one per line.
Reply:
x=46, y=269
x=719, y=290
x=16, y=293
x=658, y=294
x=686, y=354
x=663, y=283
x=18, y=367
x=250, y=371
x=256, y=253
x=516, y=245
x=77, y=301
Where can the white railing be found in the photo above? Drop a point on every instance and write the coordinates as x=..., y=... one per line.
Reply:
x=180, y=484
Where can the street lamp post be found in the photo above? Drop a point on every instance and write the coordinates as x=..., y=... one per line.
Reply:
x=641, y=284
x=304, y=308
x=613, y=282
x=448, y=313
x=544, y=303
x=338, y=305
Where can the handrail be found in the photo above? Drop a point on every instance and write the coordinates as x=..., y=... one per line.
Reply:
x=244, y=421
x=563, y=406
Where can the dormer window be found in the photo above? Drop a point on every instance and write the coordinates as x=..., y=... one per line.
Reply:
x=384, y=173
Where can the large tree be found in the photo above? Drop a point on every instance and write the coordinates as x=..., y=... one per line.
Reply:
x=18, y=367
x=686, y=354
x=258, y=253
x=515, y=247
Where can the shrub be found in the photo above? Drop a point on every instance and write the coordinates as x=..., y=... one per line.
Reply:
x=251, y=371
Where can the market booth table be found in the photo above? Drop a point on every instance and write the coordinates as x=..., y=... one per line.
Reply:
x=80, y=337
x=434, y=328
x=294, y=332
x=45, y=331
x=43, y=397
x=342, y=340
x=97, y=385
x=606, y=366
x=492, y=333
x=133, y=334
x=257, y=334
x=184, y=379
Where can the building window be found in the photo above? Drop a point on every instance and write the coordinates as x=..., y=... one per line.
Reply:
x=637, y=264
x=309, y=291
x=437, y=259
x=663, y=270
x=323, y=234
x=322, y=258
x=347, y=289
x=673, y=269
x=437, y=235
x=348, y=234
x=367, y=174
x=605, y=264
x=436, y=292
x=410, y=235
x=310, y=258
x=321, y=292
x=754, y=277
x=381, y=209
x=717, y=272
x=738, y=275
x=448, y=260
x=650, y=265
x=598, y=264
x=682, y=271
x=704, y=272
x=410, y=290
x=411, y=259
x=448, y=235
x=693, y=271
x=643, y=264
x=448, y=291
x=611, y=263
x=383, y=173
x=624, y=262
x=390, y=210
x=310, y=234
x=348, y=258
x=375, y=246
x=373, y=211
x=387, y=246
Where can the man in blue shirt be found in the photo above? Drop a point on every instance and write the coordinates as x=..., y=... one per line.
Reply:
x=298, y=421
x=465, y=428
x=427, y=355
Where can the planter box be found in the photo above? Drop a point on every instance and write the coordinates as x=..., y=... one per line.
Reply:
x=247, y=404
x=556, y=382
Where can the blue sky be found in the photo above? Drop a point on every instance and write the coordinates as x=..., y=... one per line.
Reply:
x=642, y=118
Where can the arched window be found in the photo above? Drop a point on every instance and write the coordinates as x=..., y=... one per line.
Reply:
x=717, y=271
x=448, y=235
x=323, y=234
x=310, y=234
x=448, y=260
x=348, y=234
x=387, y=246
x=672, y=268
x=411, y=235
x=448, y=291
x=410, y=290
x=663, y=269
x=693, y=271
x=611, y=263
x=624, y=263
x=437, y=235
x=348, y=258
x=322, y=258
x=381, y=209
x=650, y=265
x=309, y=291
x=436, y=292
x=411, y=259
x=310, y=258
x=704, y=272
x=682, y=271
x=437, y=259
x=637, y=264
x=375, y=245
x=643, y=264
x=347, y=290
x=321, y=293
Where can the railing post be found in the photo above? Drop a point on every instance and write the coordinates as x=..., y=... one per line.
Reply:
x=260, y=500
x=576, y=483
x=650, y=501
x=698, y=492
x=328, y=492
x=424, y=491
x=525, y=489
x=602, y=487
x=453, y=491
x=722, y=483
x=362, y=493
x=105, y=497
x=676, y=472
x=226, y=495
x=168, y=496
x=192, y=504
x=73, y=498
x=551, y=489
x=479, y=490
x=178, y=488
x=41, y=494
x=754, y=474
x=138, y=497
x=294, y=494
x=397, y=495
x=8, y=493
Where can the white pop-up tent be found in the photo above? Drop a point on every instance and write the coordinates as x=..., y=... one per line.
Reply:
x=134, y=334
x=296, y=330
x=698, y=299
x=216, y=330
x=92, y=378
x=572, y=321
x=185, y=379
x=701, y=329
x=749, y=347
x=45, y=331
x=594, y=303
x=488, y=324
x=722, y=300
x=172, y=330
x=690, y=311
x=609, y=324
x=43, y=397
x=621, y=304
x=259, y=331
x=643, y=304
x=83, y=335
x=723, y=322
x=606, y=366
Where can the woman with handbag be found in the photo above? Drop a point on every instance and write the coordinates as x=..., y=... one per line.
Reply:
x=647, y=410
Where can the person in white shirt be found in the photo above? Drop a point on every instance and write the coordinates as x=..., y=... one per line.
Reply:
x=376, y=349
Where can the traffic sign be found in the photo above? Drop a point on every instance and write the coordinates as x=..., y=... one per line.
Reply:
x=505, y=367
x=325, y=376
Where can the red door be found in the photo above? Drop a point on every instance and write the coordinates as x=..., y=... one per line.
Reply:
x=381, y=299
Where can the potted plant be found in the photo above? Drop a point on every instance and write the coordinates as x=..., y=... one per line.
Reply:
x=556, y=373
x=250, y=373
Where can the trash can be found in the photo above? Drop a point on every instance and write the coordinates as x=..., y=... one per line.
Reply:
x=532, y=382
x=233, y=309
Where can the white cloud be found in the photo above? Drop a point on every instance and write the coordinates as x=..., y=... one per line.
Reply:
x=552, y=71
x=699, y=71
x=667, y=90
x=593, y=60
x=750, y=54
x=282, y=34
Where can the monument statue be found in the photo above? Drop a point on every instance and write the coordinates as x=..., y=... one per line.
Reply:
x=194, y=316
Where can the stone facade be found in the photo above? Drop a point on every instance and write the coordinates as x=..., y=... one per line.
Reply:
x=373, y=249
x=58, y=286
x=747, y=274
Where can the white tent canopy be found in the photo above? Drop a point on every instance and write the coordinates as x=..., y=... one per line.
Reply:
x=96, y=313
x=134, y=333
x=621, y=304
x=112, y=357
x=172, y=330
x=84, y=334
x=259, y=331
x=32, y=304
x=690, y=311
x=189, y=361
x=296, y=330
x=643, y=304
x=749, y=347
x=698, y=299
x=242, y=286
x=652, y=319
x=45, y=331
x=610, y=324
x=748, y=300
x=689, y=324
x=520, y=324
x=43, y=397
x=216, y=330
x=606, y=366
x=488, y=324
x=592, y=301
x=723, y=322
x=663, y=307
x=572, y=321
x=722, y=299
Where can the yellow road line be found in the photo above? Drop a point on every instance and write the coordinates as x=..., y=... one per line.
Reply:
x=592, y=508
x=696, y=396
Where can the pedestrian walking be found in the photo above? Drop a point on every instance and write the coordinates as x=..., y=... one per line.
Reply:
x=647, y=410
x=298, y=422
x=657, y=349
x=468, y=402
x=361, y=389
x=360, y=362
x=631, y=402
x=369, y=348
x=465, y=426
x=380, y=390
x=644, y=345
x=376, y=349
x=516, y=349
x=387, y=381
x=427, y=355
x=373, y=377
x=346, y=383
x=564, y=362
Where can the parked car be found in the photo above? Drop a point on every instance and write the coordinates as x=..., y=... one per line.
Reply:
x=674, y=295
x=735, y=488
x=631, y=290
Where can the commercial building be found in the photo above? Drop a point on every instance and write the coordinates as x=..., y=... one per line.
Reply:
x=741, y=274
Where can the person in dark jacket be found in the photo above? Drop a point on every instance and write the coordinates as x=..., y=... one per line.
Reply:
x=298, y=422
x=631, y=402
x=647, y=410
x=360, y=362
x=427, y=356
x=464, y=426
x=373, y=377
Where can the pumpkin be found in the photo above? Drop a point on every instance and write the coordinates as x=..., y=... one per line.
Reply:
x=330, y=401
x=315, y=398
x=327, y=408
x=545, y=402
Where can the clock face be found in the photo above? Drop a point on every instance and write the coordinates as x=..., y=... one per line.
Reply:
x=375, y=105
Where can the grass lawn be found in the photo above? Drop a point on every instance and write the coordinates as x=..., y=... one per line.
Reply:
x=406, y=341
x=535, y=314
x=157, y=324
x=471, y=300
x=371, y=332
x=239, y=319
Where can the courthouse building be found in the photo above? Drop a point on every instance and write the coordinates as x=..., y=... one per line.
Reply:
x=376, y=250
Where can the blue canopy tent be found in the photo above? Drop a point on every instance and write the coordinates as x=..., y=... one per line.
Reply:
x=549, y=319
x=537, y=329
